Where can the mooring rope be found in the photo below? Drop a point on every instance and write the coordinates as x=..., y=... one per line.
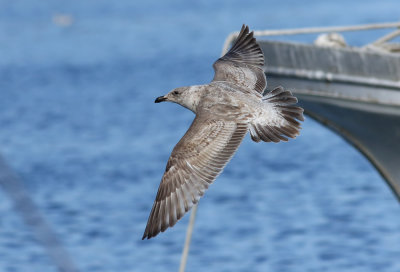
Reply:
x=189, y=232
x=30, y=213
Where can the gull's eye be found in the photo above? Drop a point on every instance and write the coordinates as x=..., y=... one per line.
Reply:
x=175, y=92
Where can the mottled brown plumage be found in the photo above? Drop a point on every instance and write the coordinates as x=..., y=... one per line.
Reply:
x=225, y=109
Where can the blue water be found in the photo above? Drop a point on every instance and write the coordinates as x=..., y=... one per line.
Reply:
x=79, y=125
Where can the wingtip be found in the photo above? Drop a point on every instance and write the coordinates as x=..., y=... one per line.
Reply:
x=245, y=49
x=244, y=30
x=146, y=236
x=149, y=234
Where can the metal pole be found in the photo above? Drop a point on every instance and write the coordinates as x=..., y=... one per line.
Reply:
x=325, y=29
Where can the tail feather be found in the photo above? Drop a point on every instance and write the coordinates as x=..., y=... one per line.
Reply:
x=280, y=119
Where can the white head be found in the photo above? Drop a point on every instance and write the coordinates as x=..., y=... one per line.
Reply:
x=187, y=97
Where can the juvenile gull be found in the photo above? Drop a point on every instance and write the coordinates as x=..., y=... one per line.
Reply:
x=232, y=104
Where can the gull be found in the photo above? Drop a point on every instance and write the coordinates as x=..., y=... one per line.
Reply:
x=226, y=109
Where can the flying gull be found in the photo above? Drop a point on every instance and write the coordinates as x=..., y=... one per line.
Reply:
x=232, y=104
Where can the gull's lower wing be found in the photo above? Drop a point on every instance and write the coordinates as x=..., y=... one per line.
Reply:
x=195, y=162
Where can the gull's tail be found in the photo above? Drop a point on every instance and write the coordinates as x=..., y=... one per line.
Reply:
x=279, y=119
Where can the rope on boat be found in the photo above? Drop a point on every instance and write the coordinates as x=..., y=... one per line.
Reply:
x=387, y=37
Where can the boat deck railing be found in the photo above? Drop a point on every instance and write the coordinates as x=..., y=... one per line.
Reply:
x=316, y=30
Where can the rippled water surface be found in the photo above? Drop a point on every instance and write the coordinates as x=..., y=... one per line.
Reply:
x=78, y=124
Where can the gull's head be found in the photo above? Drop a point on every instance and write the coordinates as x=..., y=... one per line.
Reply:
x=184, y=96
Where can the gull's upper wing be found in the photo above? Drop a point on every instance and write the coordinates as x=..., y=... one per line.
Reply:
x=195, y=162
x=243, y=64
